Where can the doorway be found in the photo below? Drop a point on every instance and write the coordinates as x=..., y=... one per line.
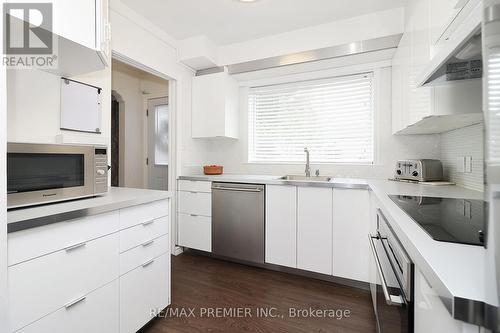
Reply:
x=140, y=129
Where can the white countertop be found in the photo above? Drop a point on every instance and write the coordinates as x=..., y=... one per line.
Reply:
x=454, y=270
x=115, y=198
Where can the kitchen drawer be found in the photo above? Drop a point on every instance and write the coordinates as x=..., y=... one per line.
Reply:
x=43, y=285
x=142, y=233
x=195, y=232
x=143, y=292
x=135, y=215
x=195, y=186
x=142, y=254
x=196, y=203
x=31, y=243
x=98, y=312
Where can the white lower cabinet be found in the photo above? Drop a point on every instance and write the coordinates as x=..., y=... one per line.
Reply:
x=195, y=232
x=83, y=286
x=281, y=225
x=314, y=229
x=41, y=286
x=351, y=225
x=144, y=292
x=431, y=316
x=97, y=312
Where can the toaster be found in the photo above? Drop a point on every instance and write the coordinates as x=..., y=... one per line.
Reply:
x=419, y=170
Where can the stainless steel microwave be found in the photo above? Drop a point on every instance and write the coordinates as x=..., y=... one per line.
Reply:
x=44, y=173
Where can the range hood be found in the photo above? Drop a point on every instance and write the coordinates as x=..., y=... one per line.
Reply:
x=460, y=57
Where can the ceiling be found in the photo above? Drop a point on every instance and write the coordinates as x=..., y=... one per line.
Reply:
x=231, y=21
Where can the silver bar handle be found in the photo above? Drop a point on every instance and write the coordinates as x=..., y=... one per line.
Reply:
x=148, y=223
x=394, y=300
x=147, y=263
x=75, y=302
x=148, y=243
x=76, y=246
x=238, y=189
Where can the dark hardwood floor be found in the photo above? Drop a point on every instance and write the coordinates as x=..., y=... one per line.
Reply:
x=199, y=283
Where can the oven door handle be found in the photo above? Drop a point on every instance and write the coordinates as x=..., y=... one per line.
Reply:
x=394, y=300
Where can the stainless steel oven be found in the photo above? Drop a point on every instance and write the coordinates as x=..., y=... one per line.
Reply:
x=392, y=282
x=43, y=173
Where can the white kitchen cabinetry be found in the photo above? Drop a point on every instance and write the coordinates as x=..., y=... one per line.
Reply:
x=281, y=225
x=195, y=215
x=427, y=110
x=215, y=106
x=431, y=316
x=83, y=36
x=351, y=225
x=314, y=229
x=88, y=270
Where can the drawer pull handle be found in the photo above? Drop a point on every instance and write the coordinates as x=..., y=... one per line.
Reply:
x=147, y=263
x=75, y=302
x=76, y=246
x=193, y=215
x=193, y=192
x=148, y=223
x=148, y=243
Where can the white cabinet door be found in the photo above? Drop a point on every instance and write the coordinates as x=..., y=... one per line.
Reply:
x=97, y=313
x=76, y=20
x=431, y=316
x=196, y=203
x=314, y=229
x=351, y=225
x=281, y=225
x=215, y=106
x=143, y=293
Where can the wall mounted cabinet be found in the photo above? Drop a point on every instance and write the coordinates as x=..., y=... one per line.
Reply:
x=82, y=32
x=215, y=106
x=434, y=109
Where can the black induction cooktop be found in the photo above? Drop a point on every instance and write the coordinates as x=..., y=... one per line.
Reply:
x=447, y=219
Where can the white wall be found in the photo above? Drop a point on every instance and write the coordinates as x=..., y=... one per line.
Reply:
x=34, y=106
x=133, y=87
x=233, y=154
x=468, y=141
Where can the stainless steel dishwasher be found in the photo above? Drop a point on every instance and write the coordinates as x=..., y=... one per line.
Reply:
x=238, y=221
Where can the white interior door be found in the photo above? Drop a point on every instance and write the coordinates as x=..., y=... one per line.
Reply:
x=158, y=143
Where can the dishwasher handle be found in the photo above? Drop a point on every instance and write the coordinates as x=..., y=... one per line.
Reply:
x=238, y=189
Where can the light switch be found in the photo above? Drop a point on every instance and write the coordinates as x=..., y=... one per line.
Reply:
x=468, y=164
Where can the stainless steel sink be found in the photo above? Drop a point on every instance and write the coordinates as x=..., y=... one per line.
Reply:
x=299, y=178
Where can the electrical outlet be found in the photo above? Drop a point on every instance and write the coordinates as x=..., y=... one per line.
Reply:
x=461, y=164
x=468, y=164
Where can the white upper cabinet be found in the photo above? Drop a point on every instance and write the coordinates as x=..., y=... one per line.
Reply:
x=435, y=109
x=314, y=229
x=215, y=106
x=83, y=35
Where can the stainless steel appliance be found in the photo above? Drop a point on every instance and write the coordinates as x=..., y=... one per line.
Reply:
x=238, y=221
x=43, y=173
x=491, y=107
x=423, y=170
x=393, y=273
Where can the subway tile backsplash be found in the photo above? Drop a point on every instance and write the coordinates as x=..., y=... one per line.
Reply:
x=457, y=147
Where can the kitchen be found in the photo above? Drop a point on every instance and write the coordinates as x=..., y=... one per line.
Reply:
x=332, y=168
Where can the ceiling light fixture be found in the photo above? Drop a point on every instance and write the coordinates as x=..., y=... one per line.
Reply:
x=246, y=0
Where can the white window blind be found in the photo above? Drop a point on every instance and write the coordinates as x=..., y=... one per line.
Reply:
x=332, y=117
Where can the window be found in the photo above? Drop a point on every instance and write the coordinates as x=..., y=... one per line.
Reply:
x=332, y=117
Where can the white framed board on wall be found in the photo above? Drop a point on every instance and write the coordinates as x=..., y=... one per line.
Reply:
x=81, y=107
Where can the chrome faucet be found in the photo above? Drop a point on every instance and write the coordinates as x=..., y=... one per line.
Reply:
x=308, y=166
